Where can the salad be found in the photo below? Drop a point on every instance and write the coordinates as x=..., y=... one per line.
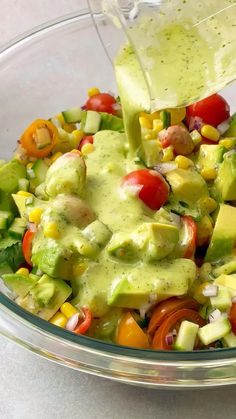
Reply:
x=132, y=248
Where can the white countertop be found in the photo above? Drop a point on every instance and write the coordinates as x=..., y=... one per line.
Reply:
x=34, y=388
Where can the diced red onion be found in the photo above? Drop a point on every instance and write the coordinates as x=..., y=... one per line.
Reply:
x=39, y=272
x=215, y=315
x=165, y=167
x=72, y=322
x=169, y=339
x=32, y=227
x=195, y=123
x=134, y=12
x=174, y=332
x=144, y=309
x=210, y=290
x=234, y=299
x=83, y=108
x=222, y=128
x=116, y=106
x=152, y=298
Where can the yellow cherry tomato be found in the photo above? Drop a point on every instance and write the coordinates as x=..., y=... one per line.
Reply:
x=129, y=333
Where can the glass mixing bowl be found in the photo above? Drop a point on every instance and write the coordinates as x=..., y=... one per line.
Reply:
x=42, y=73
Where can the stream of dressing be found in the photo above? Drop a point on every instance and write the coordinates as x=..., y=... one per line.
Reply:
x=184, y=56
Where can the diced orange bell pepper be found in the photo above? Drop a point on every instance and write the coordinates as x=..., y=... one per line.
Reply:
x=30, y=139
x=129, y=333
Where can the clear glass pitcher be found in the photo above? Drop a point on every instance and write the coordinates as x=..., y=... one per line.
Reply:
x=182, y=50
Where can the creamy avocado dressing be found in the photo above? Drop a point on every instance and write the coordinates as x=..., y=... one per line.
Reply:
x=184, y=57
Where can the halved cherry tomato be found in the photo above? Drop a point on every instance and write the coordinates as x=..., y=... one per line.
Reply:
x=154, y=189
x=232, y=317
x=87, y=139
x=167, y=307
x=213, y=110
x=28, y=138
x=27, y=246
x=85, y=322
x=159, y=340
x=129, y=333
x=102, y=102
x=192, y=236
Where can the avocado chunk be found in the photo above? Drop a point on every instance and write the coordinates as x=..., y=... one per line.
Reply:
x=10, y=173
x=161, y=280
x=46, y=297
x=52, y=258
x=123, y=247
x=66, y=176
x=20, y=284
x=224, y=234
x=7, y=203
x=156, y=240
x=226, y=177
x=97, y=233
x=209, y=156
x=187, y=185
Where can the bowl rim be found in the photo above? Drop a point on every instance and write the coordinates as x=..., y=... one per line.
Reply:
x=97, y=346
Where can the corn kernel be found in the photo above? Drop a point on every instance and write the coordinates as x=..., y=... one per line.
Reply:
x=69, y=127
x=183, y=162
x=55, y=156
x=208, y=204
x=68, y=310
x=78, y=135
x=87, y=149
x=93, y=91
x=79, y=269
x=35, y=215
x=198, y=293
x=204, y=231
x=75, y=151
x=24, y=193
x=145, y=122
x=60, y=118
x=157, y=125
x=208, y=174
x=59, y=319
x=154, y=115
x=168, y=154
x=29, y=166
x=23, y=271
x=51, y=231
x=227, y=142
x=177, y=115
x=210, y=132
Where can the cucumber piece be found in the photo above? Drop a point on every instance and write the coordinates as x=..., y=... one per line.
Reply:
x=186, y=336
x=6, y=218
x=92, y=122
x=17, y=228
x=72, y=115
x=166, y=118
x=214, y=331
x=223, y=299
x=23, y=184
x=39, y=170
x=229, y=340
x=111, y=122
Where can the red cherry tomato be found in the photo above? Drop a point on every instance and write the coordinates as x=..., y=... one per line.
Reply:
x=192, y=236
x=232, y=317
x=102, y=102
x=165, y=308
x=154, y=189
x=85, y=322
x=212, y=110
x=27, y=246
x=88, y=139
x=159, y=340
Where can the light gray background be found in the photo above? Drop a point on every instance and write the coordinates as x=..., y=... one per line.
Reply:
x=33, y=388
